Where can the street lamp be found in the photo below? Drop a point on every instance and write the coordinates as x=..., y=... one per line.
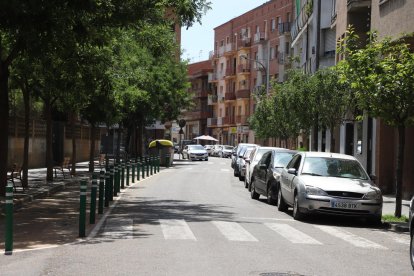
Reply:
x=264, y=69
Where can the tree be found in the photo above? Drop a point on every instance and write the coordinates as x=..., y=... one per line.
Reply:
x=381, y=76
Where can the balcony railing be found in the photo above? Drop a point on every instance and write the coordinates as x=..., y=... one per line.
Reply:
x=228, y=120
x=229, y=96
x=230, y=47
x=301, y=20
x=243, y=94
x=212, y=77
x=244, y=42
x=200, y=93
x=211, y=122
x=230, y=72
x=284, y=27
x=219, y=121
x=259, y=37
x=241, y=119
x=243, y=68
x=354, y=5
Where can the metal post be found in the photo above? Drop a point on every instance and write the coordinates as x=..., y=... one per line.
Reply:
x=127, y=174
x=111, y=183
x=147, y=164
x=152, y=165
x=107, y=186
x=133, y=173
x=101, y=192
x=123, y=165
x=9, y=219
x=93, y=198
x=115, y=186
x=82, y=209
x=138, y=170
x=158, y=163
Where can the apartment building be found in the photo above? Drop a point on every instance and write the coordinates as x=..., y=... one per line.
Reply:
x=250, y=51
x=196, y=115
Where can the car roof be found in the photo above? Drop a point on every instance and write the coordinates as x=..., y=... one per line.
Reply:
x=328, y=155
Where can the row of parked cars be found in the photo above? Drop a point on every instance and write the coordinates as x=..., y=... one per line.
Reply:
x=309, y=182
x=223, y=151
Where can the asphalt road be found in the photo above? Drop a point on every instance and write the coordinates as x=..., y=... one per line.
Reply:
x=197, y=219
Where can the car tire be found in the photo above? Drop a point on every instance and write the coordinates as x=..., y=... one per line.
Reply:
x=253, y=193
x=270, y=200
x=297, y=214
x=206, y=159
x=241, y=178
x=221, y=155
x=236, y=173
x=412, y=250
x=246, y=185
x=375, y=221
x=281, y=204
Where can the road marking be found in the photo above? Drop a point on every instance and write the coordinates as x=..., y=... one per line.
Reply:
x=399, y=238
x=255, y=218
x=176, y=229
x=292, y=234
x=116, y=228
x=233, y=231
x=225, y=170
x=349, y=237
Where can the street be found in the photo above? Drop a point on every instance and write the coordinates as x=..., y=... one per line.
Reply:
x=196, y=218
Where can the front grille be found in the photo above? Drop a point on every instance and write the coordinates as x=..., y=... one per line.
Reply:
x=342, y=211
x=343, y=194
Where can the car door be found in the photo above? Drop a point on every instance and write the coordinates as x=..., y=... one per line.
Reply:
x=262, y=172
x=286, y=181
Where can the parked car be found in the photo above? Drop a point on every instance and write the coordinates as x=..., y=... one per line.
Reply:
x=209, y=149
x=266, y=173
x=241, y=149
x=331, y=183
x=242, y=163
x=253, y=159
x=216, y=150
x=226, y=151
x=233, y=156
x=195, y=152
x=411, y=225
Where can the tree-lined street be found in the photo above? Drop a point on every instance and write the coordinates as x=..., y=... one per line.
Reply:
x=198, y=219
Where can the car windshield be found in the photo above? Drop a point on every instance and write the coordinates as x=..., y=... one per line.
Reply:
x=196, y=147
x=333, y=167
x=228, y=147
x=259, y=154
x=281, y=159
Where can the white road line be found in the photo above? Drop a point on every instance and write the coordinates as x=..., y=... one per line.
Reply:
x=257, y=218
x=233, y=231
x=224, y=170
x=176, y=229
x=399, y=238
x=292, y=234
x=116, y=228
x=349, y=237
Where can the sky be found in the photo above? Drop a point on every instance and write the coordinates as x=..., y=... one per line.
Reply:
x=198, y=40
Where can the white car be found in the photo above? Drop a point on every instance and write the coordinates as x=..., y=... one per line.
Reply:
x=209, y=149
x=195, y=152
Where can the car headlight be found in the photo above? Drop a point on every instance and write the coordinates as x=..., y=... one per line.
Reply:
x=276, y=175
x=373, y=195
x=310, y=190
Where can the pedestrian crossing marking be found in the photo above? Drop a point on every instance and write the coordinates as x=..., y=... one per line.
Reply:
x=291, y=234
x=116, y=228
x=233, y=231
x=176, y=229
x=349, y=237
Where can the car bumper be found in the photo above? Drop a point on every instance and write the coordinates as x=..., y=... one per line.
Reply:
x=195, y=156
x=340, y=206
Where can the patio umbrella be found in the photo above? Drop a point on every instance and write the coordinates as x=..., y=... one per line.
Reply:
x=206, y=137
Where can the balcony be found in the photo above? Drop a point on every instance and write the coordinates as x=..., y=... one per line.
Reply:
x=241, y=119
x=230, y=72
x=282, y=58
x=229, y=96
x=221, y=51
x=213, y=77
x=301, y=20
x=219, y=121
x=229, y=48
x=211, y=122
x=284, y=28
x=358, y=5
x=228, y=120
x=259, y=37
x=243, y=68
x=200, y=93
x=243, y=94
x=211, y=99
x=245, y=42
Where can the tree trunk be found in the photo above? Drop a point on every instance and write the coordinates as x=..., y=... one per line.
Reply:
x=49, y=139
x=92, y=149
x=332, y=129
x=25, y=165
x=4, y=125
x=399, y=171
x=74, y=154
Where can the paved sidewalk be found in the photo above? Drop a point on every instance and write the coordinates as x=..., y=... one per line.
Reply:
x=47, y=213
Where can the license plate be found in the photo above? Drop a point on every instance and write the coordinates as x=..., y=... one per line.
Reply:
x=344, y=204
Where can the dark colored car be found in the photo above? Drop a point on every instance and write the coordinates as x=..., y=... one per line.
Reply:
x=411, y=224
x=265, y=177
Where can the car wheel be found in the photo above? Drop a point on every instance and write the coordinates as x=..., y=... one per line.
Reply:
x=297, y=214
x=221, y=155
x=241, y=178
x=281, y=204
x=253, y=193
x=412, y=251
x=236, y=173
x=270, y=199
x=374, y=221
x=206, y=159
x=245, y=183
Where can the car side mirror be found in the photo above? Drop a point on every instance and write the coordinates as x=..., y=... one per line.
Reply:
x=373, y=177
x=292, y=171
x=263, y=166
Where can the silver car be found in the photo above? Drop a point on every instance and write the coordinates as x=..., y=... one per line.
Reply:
x=195, y=152
x=330, y=183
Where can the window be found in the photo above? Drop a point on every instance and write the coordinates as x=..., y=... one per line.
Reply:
x=276, y=50
x=257, y=29
x=221, y=43
x=240, y=110
x=227, y=40
x=272, y=52
x=287, y=48
x=273, y=25
x=288, y=17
